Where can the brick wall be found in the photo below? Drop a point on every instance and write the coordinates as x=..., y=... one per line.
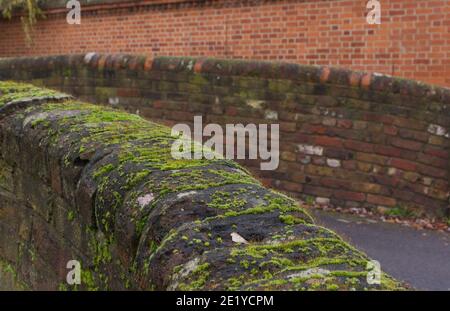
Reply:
x=348, y=139
x=413, y=40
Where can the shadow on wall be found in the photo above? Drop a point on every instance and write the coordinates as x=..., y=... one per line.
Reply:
x=348, y=139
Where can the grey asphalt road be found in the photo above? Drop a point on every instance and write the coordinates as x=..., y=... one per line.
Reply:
x=419, y=257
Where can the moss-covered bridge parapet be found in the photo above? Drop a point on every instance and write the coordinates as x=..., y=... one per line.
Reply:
x=89, y=183
x=348, y=139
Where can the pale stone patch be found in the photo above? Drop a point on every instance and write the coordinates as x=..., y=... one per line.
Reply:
x=88, y=57
x=309, y=273
x=345, y=221
x=333, y=163
x=310, y=149
x=378, y=74
x=255, y=104
x=145, y=200
x=190, y=65
x=427, y=181
x=437, y=130
x=186, y=194
x=271, y=115
x=392, y=171
x=322, y=201
x=187, y=269
x=329, y=121
x=114, y=101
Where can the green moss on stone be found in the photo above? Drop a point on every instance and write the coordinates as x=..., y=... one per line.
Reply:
x=13, y=91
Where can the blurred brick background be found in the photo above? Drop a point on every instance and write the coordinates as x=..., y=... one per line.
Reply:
x=413, y=40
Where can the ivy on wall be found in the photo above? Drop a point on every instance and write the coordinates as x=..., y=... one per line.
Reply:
x=30, y=8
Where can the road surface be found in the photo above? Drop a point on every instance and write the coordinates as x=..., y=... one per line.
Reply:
x=419, y=257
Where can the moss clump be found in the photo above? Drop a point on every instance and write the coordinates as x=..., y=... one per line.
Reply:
x=316, y=263
x=104, y=170
x=400, y=211
x=227, y=201
x=8, y=270
x=12, y=91
x=291, y=220
x=88, y=280
x=276, y=202
x=199, y=278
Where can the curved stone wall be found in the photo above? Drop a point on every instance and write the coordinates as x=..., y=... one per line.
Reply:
x=92, y=184
x=348, y=139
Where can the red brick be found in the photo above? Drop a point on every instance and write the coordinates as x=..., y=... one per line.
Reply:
x=390, y=130
x=358, y=146
x=381, y=200
x=288, y=126
x=317, y=191
x=349, y=165
x=377, y=117
x=433, y=161
x=198, y=65
x=403, y=164
x=158, y=104
x=388, y=151
x=335, y=183
x=128, y=92
x=406, y=144
x=355, y=79
x=432, y=171
x=314, y=129
x=328, y=141
x=325, y=74
x=414, y=135
x=231, y=111
x=436, y=152
x=345, y=124
x=148, y=63
x=350, y=195
x=291, y=186
x=386, y=180
x=366, y=80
